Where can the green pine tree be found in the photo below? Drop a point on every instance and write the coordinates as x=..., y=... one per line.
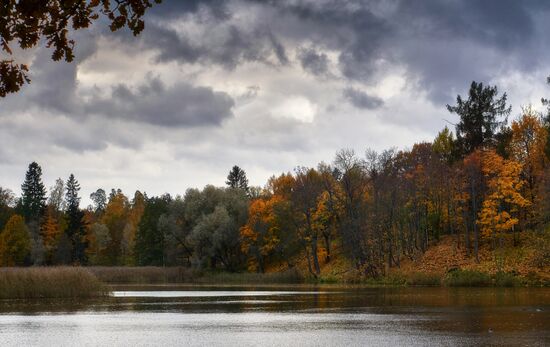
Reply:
x=33, y=198
x=237, y=178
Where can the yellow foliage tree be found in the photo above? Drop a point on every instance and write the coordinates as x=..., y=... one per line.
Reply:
x=51, y=233
x=15, y=242
x=527, y=147
x=259, y=236
x=115, y=218
x=503, y=197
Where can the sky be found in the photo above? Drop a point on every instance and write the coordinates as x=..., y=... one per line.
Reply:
x=266, y=85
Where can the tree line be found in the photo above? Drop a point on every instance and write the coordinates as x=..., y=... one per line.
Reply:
x=486, y=181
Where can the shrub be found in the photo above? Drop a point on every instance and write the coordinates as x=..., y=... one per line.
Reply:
x=394, y=279
x=505, y=279
x=288, y=276
x=467, y=278
x=424, y=279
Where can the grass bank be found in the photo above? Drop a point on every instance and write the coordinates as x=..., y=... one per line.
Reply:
x=291, y=276
x=46, y=282
x=455, y=278
x=166, y=275
x=143, y=274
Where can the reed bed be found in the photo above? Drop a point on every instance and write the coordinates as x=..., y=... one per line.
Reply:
x=49, y=282
x=144, y=274
x=291, y=276
x=173, y=275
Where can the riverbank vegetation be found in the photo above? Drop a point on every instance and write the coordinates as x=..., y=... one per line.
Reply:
x=470, y=207
x=49, y=282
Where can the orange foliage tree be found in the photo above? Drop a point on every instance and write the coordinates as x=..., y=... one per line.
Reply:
x=503, y=198
x=527, y=147
x=270, y=233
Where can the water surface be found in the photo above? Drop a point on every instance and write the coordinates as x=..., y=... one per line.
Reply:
x=284, y=316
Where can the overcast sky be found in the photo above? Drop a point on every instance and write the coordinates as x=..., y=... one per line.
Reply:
x=266, y=85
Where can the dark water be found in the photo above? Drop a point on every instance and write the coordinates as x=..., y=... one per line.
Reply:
x=284, y=316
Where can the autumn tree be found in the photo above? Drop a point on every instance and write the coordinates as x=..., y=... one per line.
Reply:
x=115, y=218
x=306, y=192
x=450, y=173
x=481, y=116
x=271, y=234
x=127, y=244
x=444, y=145
x=29, y=22
x=503, y=198
x=51, y=231
x=259, y=236
x=15, y=242
x=284, y=219
x=527, y=147
x=98, y=240
x=7, y=203
x=472, y=188
x=330, y=206
x=354, y=183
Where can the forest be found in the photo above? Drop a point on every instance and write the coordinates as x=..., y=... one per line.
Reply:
x=483, y=183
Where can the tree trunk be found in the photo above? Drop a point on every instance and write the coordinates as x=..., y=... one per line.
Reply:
x=309, y=262
x=474, y=224
x=327, y=246
x=314, y=254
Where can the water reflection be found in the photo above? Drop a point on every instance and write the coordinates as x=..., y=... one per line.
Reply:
x=296, y=315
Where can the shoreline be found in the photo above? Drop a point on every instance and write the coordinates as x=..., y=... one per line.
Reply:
x=88, y=282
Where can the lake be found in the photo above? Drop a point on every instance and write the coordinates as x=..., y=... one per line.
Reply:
x=284, y=316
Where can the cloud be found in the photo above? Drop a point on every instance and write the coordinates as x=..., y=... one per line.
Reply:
x=55, y=88
x=313, y=62
x=212, y=40
x=361, y=99
x=179, y=105
x=211, y=83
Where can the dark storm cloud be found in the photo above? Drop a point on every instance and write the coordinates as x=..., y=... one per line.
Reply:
x=228, y=46
x=54, y=89
x=443, y=44
x=180, y=105
x=174, y=9
x=361, y=99
x=313, y=62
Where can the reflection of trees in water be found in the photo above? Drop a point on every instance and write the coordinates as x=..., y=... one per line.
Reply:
x=48, y=305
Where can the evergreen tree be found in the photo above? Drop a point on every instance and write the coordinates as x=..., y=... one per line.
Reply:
x=480, y=117
x=33, y=198
x=75, y=227
x=237, y=178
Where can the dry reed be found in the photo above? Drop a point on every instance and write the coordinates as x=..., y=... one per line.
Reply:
x=49, y=282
